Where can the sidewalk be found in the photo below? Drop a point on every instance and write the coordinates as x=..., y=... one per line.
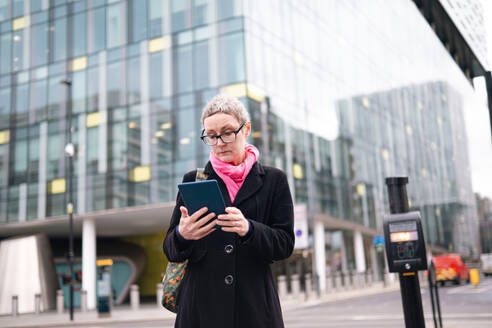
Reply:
x=154, y=312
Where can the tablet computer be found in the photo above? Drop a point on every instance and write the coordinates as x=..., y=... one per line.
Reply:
x=199, y=194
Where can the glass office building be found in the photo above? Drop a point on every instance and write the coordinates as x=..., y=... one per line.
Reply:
x=342, y=94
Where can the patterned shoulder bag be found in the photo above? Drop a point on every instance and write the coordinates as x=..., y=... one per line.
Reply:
x=175, y=271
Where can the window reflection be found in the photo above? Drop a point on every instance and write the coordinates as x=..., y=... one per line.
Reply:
x=55, y=96
x=156, y=75
x=97, y=30
x=231, y=52
x=59, y=30
x=115, y=26
x=4, y=107
x=79, y=92
x=119, y=144
x=92, y=150
x=18, y=48
x=78, y=36
x=17, y=8
x=201, y=65
x=133, y=80
x=115, y=84
x=155, y=18
x=186, y=134
x=22, y=98
x=4, y=10
x=5, y=53
x=39, y=99
x=184, y=64
x=138, y=20
x=178, y=15
x=93, y=89
x=39, y=44
x=200, y=12
x=20, y=161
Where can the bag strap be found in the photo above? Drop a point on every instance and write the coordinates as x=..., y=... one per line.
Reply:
x=200, y=175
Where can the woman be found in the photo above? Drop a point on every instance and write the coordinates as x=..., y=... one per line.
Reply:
x=228, y=282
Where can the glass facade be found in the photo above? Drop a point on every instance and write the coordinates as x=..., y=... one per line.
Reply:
x=352, y=91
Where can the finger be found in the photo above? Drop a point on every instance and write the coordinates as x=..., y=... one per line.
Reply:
x=206, y=234
x=233, y=210
x=205, y=230
x=195, y=216
x=200, y=223
x=227, y=223
x=184, y=211
x=226, y=217
x=230, y=229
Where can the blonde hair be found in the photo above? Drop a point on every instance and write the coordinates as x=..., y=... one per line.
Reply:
x=226, y=104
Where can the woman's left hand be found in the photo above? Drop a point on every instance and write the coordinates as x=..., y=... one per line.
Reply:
x=233, y=221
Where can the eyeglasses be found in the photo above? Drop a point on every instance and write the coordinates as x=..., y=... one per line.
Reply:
x=226, y=137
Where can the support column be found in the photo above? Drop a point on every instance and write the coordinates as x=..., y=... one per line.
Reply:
x=360, y=258
x=89, y=261
x=488, y=85
x=320, y=252
x=343, y=253
x=374, y=264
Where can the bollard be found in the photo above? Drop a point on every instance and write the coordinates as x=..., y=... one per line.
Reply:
x=15, y=305
x=329, y=281
x=134, y=297
x=309, y=286
x=83, y=300
x=60, y=300
x=159, y=293
x=37, y=303
x=282, y=287
x=338, y=281
x=296, y=285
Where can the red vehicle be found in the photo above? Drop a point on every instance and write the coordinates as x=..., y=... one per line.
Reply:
x=450, y=267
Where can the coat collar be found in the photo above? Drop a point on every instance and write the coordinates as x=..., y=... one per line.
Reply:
x=252, y=183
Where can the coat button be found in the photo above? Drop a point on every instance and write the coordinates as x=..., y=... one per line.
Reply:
x=228, y=249
x=228, y=280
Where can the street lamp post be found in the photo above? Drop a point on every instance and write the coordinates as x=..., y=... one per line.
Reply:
x=70, y=152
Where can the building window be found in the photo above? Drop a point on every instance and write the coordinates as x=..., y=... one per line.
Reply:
x=39, y=44
x=78, y=35
x=59, y=30
x=97, y=30
x=138, y=20
x=184, y=75
x=231, y=53
x=114, y=25
x=155, y=18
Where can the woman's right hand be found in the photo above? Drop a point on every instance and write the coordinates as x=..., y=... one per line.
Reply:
x=195, y=227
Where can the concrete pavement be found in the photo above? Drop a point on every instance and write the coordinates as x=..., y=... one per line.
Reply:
x=153, y=312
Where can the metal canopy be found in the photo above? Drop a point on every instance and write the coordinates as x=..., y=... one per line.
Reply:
x=451, y=38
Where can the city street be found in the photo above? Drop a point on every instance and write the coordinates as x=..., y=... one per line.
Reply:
x=462, y=306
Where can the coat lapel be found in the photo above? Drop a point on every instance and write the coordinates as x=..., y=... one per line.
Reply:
x=252, y=183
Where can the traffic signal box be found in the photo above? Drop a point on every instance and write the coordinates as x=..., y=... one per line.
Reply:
x=404, y=241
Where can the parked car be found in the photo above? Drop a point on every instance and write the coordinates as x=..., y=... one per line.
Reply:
x=486, y=264
x=450, y=267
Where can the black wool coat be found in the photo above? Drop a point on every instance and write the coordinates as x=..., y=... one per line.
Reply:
x=228, y=282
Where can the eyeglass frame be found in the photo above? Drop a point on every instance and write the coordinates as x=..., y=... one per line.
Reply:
x=217, y=136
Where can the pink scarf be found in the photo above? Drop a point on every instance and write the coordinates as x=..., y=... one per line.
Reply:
x=234, y=175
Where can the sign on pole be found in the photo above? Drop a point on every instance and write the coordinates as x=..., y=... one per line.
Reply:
x=300, y=226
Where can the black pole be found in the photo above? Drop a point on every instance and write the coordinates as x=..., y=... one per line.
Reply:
x=69, y=152
x=430, y=277
x=436, y=290
x=409, y=282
